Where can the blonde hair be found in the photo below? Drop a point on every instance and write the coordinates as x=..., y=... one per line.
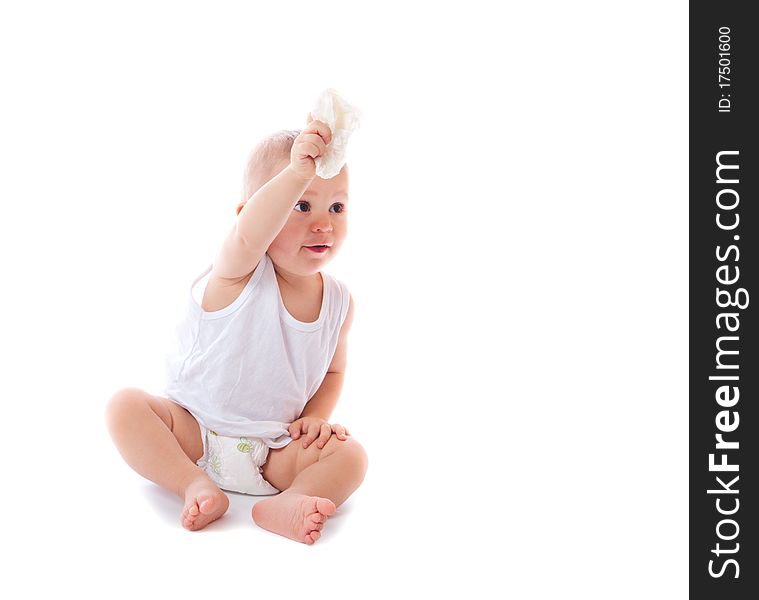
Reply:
x=263, y=159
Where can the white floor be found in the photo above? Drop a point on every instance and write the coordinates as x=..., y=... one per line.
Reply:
x=447, y=520
x=166, y=507
x=93, y=526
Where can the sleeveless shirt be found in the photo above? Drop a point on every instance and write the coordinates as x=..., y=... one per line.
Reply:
x=250, y=368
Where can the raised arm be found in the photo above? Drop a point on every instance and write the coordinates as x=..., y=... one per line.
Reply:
x=265, y=213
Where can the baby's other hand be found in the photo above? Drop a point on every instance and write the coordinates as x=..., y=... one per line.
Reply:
x=317, y=429
x=311, y=143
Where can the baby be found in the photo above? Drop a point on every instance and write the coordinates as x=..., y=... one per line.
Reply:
x=260, y=362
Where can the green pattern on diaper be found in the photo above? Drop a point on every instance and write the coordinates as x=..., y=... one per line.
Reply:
x=244, y=445
x=215, y=463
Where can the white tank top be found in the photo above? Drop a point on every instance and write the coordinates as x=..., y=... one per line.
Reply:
x=249, y=369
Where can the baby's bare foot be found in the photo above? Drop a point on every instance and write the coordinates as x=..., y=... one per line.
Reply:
x=294, y=515
x=204, y=502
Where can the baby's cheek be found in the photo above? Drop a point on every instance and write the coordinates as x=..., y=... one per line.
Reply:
x=284, y=243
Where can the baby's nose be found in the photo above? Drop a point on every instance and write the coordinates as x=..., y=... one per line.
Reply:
x=322, y=225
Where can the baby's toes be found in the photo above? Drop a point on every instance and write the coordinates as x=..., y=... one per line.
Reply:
x=189, y=514
x=207, y=506
x=312, y=537
x=326, y=507
x=314, y=522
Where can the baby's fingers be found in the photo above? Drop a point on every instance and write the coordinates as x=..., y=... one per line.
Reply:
x=320, y=128
x=312, y=145
x=295, y=429
x=311, y=435
x=324, y=434
x=340, y=431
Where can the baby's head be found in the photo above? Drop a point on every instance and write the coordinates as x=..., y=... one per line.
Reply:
x=317, y=218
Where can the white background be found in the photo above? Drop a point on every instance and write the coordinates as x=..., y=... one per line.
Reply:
x=517, y=255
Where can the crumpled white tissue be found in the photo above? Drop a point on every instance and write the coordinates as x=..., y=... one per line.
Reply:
x=342, y=119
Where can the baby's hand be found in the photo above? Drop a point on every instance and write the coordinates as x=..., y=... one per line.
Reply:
x=311, y=143
x=313, y=428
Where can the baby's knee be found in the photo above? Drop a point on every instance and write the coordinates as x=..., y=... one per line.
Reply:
x=349, y=447
x=122, y=404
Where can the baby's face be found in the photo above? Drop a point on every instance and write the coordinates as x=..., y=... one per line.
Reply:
x=318, y=218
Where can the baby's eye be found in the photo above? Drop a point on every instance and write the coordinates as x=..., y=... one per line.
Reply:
x=338, y=207
x=305, y=206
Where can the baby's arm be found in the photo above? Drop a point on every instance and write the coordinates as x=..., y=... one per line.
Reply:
x=265, y=212
x=316, y=413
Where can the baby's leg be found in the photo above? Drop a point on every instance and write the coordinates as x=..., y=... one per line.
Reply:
x=314, y=482
x=161, y=441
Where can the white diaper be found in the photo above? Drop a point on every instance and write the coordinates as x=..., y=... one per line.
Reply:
x=235, y=463
x=342, y=119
